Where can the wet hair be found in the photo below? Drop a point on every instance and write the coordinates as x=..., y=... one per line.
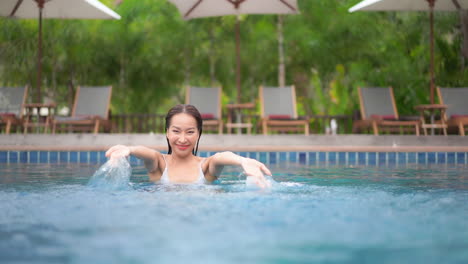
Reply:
x=189, y=110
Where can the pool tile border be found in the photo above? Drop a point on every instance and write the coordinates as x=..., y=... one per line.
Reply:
x=279, y=157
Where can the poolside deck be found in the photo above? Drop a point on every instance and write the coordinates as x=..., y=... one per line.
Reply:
x=212, y=142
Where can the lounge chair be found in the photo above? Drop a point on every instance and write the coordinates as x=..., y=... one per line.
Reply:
x=208, y=102
x=278, y=110
x=379, y=111
x=12, y=100
x=457, y=111
x=90, y=111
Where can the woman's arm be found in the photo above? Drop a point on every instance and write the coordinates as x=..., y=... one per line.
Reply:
x=251, y=167
x=149, y=156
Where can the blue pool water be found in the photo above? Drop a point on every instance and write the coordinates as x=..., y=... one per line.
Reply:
x=412, y=213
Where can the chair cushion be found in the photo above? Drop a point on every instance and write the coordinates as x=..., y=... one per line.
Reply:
x=207, y=116
x=73, y=118
x=85, y=116
x=8, y=114
x=279, y=117
x=383, y=117
x=459, y=116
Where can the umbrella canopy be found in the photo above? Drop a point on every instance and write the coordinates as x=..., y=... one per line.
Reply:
x=407, y=5
x=209, y=8
x=415, y=5
x=61, y=9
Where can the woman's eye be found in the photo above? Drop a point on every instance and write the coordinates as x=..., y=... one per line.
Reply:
x=191, y=132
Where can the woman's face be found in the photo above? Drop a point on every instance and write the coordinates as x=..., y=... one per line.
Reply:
x=182, y=134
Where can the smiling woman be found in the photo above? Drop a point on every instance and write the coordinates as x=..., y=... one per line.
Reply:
x=181, y=165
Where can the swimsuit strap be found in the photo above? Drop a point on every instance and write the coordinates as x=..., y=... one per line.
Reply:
x=165, y=161
x=201, y=177
x=165, y=175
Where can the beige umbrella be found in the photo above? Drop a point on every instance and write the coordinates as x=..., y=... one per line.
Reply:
x=61, y=9
x=415, y=5
x=208, y=8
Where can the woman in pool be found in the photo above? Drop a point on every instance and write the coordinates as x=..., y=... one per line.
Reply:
x=181, y=165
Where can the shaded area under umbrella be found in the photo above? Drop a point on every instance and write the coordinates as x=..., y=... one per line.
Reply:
x=61, y=9
x=416, y=5
x=208, y=8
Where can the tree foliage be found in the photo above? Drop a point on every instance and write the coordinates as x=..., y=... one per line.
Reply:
x=152, y=53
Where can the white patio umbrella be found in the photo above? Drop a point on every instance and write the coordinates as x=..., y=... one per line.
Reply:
x=208, y=8
x=60, y=9
x=415, y=5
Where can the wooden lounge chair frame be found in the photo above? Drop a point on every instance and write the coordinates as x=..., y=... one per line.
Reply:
x=290, y=123
x=212, y=120
x=85, y=122
x=452, y=117
x=14, y=119
x=380, y=121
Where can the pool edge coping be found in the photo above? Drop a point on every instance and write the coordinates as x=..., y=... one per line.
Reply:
x=260, y=148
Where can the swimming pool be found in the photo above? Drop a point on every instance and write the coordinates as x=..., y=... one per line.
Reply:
x=325, y=212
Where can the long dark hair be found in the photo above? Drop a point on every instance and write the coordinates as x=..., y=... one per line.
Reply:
x=187, y=109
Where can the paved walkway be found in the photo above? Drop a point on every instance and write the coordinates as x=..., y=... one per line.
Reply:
x=211, y=142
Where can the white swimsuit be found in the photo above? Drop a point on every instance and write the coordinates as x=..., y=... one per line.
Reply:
x=165, y=176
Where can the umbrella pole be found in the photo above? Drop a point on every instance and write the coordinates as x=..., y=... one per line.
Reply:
x=431, y=39
x=238, y=60
x=40, y=4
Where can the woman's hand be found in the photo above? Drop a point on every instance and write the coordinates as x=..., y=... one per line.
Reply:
x=118, y=151
x=257, y=170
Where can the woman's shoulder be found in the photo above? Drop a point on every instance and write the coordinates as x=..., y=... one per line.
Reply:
x=206, y=159
x=201, y=159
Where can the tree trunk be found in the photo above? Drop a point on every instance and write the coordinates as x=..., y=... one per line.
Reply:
x=122, y=71
x=187, y=67
x=281, y=67
x=71, y=94
x=212, y=57
x=464, y=31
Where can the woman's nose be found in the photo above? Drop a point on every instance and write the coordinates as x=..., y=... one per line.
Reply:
x=182, y=137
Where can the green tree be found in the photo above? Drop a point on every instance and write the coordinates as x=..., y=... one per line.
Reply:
x=152, y=53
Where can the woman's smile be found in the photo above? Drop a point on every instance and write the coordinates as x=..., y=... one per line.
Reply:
x=182, y=147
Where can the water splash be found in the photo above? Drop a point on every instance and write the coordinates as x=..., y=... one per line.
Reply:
x=112, y=175
x=250, y=183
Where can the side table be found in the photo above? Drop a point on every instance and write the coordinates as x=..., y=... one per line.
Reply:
x=428, y=114
x=235, y=117
x=34, y=119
